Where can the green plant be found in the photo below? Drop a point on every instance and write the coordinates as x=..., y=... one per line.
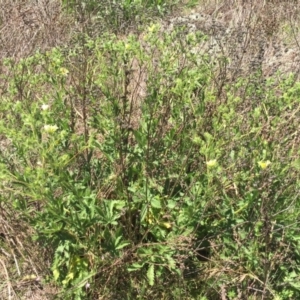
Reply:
x=134, y=169
x=90, y=175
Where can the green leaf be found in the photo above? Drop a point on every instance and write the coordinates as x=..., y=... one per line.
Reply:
x=144, y=212
x=56, y=274
x=171, y=203
x=135, y=267
x=119, y=244
x=155, y=202
x=122, y=245
x=150, y=275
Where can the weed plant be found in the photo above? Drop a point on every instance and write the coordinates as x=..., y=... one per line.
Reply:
x=142, y=180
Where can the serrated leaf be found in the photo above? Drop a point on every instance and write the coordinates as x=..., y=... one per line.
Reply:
x=150, y=275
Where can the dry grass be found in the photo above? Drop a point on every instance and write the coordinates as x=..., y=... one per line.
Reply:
x=263, y=33
x=32, y=25
x=23, y=266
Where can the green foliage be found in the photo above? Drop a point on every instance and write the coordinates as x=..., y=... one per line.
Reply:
x=133, y=171
x=117, y=16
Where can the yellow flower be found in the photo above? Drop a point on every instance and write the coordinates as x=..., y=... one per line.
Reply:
x=211, y=163
x=63, y=71
x=264, y=164
x=50, y=128
x=152, y=28
x=166, y=225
